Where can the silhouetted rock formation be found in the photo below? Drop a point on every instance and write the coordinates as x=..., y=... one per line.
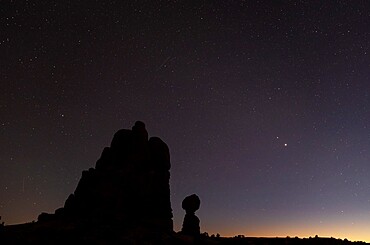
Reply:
x=191, y=222
x=128, y=187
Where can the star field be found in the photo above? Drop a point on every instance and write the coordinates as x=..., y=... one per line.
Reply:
x=264, y=105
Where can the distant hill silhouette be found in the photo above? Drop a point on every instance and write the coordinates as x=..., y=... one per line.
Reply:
x=125, y=199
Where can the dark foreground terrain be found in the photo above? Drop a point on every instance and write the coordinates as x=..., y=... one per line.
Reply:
x=278, y=241
x=53, y=233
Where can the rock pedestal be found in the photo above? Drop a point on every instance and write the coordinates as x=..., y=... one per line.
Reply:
x=191, y=222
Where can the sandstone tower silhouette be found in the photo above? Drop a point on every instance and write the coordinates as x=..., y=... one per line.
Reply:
x=129, y=185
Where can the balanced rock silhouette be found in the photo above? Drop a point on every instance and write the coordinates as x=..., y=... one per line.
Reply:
x=191, y=222
x=129, y=185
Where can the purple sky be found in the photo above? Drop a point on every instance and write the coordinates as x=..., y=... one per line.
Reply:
x=265, y=106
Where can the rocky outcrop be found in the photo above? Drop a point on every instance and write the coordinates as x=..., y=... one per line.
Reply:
x=191, y=222
x=129, y=185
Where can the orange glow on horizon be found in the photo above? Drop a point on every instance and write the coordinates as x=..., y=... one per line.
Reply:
x=338, y=228
x=362, y=235
x=353, y=234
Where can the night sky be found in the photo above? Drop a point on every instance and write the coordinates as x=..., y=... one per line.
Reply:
x=265, y=106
